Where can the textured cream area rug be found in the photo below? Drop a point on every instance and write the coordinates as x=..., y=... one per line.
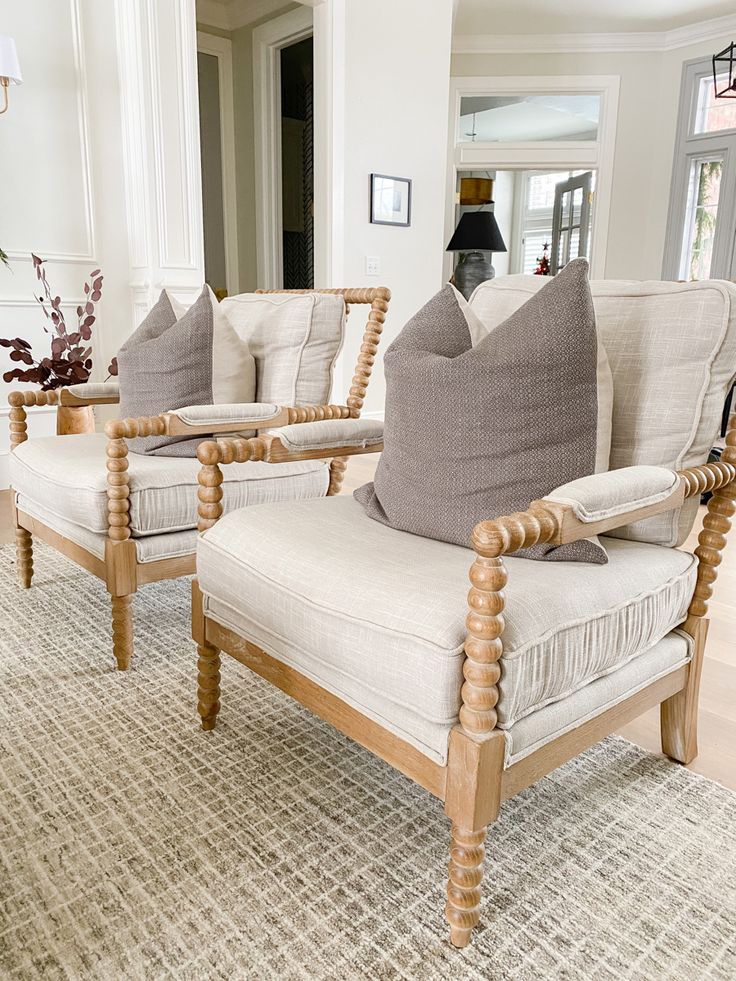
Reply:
x=132, y=845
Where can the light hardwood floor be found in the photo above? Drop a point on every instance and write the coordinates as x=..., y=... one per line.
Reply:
x=717, y=738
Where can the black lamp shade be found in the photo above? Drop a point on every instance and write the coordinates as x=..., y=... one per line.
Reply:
x=477, y=230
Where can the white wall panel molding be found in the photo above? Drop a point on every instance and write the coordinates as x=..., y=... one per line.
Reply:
x=133, y=110
x=679, y=37
x=52, y=253
x=63, y=185
x=176, y=168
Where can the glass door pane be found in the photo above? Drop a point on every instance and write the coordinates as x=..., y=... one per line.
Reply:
x=700, y=218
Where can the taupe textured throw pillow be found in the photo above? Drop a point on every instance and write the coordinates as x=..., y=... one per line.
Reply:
x=477, y=432
x=178, y=358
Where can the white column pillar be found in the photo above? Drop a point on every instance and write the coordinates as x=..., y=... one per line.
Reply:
x=157, y=57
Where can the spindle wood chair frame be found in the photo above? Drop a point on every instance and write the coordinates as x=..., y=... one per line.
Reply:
x=120, y=569
x=474, y=782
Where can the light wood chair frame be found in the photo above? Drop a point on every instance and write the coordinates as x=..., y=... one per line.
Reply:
x=120, y=569
x=474, y=782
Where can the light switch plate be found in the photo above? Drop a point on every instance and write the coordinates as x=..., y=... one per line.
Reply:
x=372, y=265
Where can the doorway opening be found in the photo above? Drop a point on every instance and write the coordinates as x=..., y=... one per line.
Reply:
x=217, y=155
x=545, y=217
x=297, y=164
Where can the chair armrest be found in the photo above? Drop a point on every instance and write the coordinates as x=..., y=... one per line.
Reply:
x=235, y=417
x=91, y=393
x=602, y=496
x=88, y=393
x=209, y=420
x=229, y=418
x=550, y=522
x=320, y=440
x=323, y=440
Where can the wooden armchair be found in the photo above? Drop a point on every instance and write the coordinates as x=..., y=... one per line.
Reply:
x=477, y=695
x=483, y=765
x=131, y=519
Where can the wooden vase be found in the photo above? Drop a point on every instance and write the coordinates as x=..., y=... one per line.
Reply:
x=73, y=419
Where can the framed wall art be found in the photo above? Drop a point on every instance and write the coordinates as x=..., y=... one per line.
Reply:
x=390, y=200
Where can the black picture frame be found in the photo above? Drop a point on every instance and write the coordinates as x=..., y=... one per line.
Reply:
x=380, y=214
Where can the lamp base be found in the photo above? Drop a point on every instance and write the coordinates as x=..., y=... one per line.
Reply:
x=473, y=271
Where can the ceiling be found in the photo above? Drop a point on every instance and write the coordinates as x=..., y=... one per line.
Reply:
x=231, y=14
x=583, y=16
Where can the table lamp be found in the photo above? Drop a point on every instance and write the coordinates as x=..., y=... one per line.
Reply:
x=476, y=231
x=9, y=68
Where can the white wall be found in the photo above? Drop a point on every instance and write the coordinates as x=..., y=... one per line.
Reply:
x=647, y=114
x=390, y=76
x=61, y=180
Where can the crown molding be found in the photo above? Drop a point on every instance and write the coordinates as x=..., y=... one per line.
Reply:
x=705, y=30
x=679, y=37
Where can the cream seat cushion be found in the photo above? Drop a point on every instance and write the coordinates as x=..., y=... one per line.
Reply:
x=377, y=615
x=150, y=548
x=67, y=476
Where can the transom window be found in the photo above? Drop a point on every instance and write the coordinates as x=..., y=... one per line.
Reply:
x=714, y=114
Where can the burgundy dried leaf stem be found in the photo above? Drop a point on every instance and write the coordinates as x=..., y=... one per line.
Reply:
x=70, y=362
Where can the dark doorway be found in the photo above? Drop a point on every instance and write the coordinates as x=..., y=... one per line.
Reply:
x=297, y=164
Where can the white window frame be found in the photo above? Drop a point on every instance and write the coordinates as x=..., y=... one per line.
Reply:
x=595, y=154
x=691, y=147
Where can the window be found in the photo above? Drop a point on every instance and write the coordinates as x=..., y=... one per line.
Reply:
x=714, y=114
x=700, y=228
x=701, y=215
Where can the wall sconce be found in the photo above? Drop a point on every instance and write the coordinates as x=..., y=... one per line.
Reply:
x=9, y=68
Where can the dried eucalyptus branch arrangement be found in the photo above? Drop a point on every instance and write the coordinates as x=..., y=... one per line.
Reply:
x=71, y=359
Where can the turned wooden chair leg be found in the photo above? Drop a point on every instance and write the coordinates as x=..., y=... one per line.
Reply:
x=472, y=802
x=678, y=715
x=122, y=630
x=208, y=684
x=24, y=556
x=465, y=874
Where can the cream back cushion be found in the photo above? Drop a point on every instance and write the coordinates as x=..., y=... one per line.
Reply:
x=672, y=350
x=295, y=339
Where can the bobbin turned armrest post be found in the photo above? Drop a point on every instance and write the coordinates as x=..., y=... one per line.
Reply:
x=679, y=714
x=89, y=393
